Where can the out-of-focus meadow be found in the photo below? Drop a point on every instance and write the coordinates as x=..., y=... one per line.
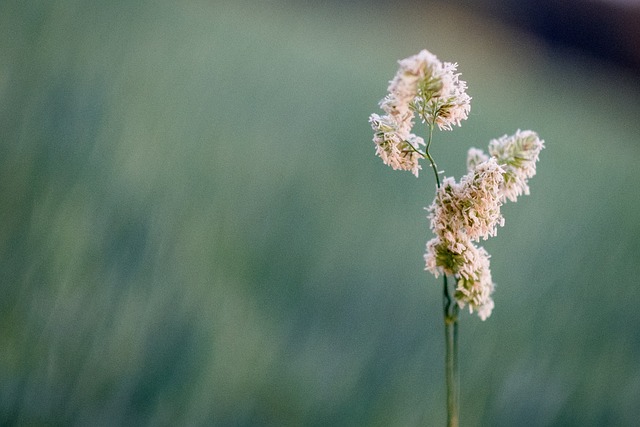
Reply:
x=194, y=229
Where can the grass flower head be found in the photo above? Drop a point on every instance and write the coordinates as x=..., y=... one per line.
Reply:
x=426, y=86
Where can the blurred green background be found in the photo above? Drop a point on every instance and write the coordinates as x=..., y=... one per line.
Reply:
x=194, y=229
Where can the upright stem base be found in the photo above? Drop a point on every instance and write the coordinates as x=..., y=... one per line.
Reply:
x=451, y=359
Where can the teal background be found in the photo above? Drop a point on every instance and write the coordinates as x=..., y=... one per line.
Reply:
x=194, y=229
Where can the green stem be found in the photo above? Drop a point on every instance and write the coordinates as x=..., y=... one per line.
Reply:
x=428, y=155
x=451, y=360
x=450, y=309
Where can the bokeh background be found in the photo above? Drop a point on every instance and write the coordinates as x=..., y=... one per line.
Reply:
x=194, y=229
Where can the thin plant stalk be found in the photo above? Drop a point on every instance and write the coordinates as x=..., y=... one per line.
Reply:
x=450, y=327
x=451, y=358
x=450, y=307
x=428, y=155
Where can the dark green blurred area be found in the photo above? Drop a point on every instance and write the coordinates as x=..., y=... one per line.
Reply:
x=194, y=229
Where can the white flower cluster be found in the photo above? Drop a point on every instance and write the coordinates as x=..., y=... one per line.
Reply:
x=518, y=155
x=392, y=143
x=464, y=212
x=425, y=85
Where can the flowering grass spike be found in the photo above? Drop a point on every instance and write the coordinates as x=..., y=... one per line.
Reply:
x=462, y=213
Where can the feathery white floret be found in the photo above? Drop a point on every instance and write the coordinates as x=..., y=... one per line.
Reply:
x=517, y=154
